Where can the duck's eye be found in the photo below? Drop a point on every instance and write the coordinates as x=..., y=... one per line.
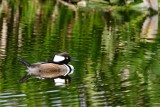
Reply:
x=66, y=57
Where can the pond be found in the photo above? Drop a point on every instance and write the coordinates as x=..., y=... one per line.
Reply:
x=118, y=53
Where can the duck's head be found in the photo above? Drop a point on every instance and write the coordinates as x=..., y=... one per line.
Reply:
x=62, y=58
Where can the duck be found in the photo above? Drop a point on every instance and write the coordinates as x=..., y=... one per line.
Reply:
x=58, y=67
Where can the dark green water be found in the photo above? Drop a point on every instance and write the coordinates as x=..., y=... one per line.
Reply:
x=118, y=53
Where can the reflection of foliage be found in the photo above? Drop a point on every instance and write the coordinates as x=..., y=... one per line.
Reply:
x=114, y=63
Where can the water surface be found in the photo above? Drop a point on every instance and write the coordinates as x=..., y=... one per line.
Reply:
x=118, y=55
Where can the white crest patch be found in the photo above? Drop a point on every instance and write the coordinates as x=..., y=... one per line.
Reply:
x=58, y=58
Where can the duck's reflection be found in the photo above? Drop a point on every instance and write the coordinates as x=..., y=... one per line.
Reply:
x=62, y=81
x=59, y=81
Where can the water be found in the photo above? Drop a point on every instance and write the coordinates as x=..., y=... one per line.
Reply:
x=118, y=55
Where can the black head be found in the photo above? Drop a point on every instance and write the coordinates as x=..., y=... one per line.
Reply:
x=62, y=58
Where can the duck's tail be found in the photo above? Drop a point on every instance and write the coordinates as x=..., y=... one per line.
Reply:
x=24, y=62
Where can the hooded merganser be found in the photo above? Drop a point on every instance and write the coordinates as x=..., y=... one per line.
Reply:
x=57, y=68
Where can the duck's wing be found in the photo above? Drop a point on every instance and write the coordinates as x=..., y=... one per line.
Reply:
x=50, y=70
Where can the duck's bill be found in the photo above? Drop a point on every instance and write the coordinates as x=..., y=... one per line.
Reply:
x=74, y=60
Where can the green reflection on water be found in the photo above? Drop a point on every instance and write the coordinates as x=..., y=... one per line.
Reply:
x=117, y=65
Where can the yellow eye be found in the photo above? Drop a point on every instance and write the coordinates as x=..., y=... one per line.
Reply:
x=66, y=57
